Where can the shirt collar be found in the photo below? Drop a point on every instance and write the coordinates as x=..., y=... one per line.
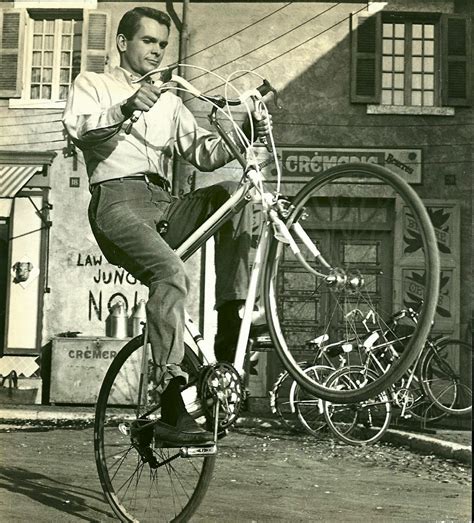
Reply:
x=122, y=74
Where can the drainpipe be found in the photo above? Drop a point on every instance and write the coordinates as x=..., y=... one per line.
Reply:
x=182, y=27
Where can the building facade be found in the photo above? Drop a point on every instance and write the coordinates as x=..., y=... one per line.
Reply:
x=379, y=82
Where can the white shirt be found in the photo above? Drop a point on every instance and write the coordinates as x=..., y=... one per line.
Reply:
x=93, y=119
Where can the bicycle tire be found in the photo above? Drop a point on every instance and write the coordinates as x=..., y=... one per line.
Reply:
x=357, y=423
x=289, y=350
x=309, y=409
x=441, y=379
x=280, y=399
x=135, y=490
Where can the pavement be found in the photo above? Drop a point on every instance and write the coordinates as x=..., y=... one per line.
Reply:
x=444, y=443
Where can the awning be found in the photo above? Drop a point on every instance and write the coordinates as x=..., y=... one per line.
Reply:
x=14, y=177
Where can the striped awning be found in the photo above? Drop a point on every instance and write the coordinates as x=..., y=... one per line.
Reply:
x=14, y=177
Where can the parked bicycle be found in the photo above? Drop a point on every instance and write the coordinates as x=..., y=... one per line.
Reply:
x=168, y=484
x=432, y=388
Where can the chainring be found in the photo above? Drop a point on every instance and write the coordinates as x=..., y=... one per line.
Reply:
x=221, y=382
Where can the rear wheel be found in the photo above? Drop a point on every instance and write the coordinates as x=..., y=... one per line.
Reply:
x=140, y=480
x=304, y=299
x=446, y=376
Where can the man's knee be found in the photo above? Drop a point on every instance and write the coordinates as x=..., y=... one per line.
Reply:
x=174, y=276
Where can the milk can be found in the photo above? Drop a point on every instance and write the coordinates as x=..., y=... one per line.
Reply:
x=119, y=320
x=138, y=317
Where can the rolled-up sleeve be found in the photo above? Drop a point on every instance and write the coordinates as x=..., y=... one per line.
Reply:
x=85, y=119
x=202, y=148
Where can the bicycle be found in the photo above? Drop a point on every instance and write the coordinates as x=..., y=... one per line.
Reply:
x=128, y=458
x=425, y=392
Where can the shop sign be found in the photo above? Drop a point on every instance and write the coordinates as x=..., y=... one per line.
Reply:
x=442, y=219
x=299, y=163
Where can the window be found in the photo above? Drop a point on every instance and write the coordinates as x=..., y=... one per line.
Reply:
x=412, y=60
x=54, y=57
x=408, y=64
x=42, y=50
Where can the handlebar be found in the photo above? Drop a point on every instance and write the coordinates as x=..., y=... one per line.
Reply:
x=219, y=101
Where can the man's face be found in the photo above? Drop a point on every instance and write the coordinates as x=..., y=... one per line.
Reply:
x=146, y=49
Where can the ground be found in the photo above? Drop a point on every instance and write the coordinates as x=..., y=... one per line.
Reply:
x=48, y=474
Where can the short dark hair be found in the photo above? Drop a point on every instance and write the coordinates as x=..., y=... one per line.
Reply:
x=130, y=21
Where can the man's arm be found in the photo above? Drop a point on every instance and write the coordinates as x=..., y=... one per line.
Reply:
x=86, y=121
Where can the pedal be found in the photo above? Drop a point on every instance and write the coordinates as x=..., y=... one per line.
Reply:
x=192, y=452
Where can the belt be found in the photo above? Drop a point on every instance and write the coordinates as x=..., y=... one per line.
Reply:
x=154, y=179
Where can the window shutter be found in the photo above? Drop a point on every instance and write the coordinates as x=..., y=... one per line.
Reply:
x=456, y=64
x=366, y=60
x=12, y=30
x=96, y=41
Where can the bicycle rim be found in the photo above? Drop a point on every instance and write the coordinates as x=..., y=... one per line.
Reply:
x=308, y=407
x=447, y=378
x=357, y=423
x=135, y=490
x=325, y=308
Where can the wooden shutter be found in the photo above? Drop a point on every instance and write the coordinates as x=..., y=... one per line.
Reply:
x=456, y=60
x=366, y=59
x=95, y=45
x=12, y=30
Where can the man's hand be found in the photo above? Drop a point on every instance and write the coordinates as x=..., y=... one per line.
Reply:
x=142, y=100
x=262, y=125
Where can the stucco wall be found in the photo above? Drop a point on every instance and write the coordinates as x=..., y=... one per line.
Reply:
x=314, y=82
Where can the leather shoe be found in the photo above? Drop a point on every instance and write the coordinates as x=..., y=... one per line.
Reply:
x=185, y=432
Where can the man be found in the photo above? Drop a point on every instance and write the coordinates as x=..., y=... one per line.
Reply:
x=129, y=179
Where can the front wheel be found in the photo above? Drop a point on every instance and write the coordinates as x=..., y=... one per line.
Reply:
x=366, y=221
x=357, y=423
x=446, y=376
x=142, y=481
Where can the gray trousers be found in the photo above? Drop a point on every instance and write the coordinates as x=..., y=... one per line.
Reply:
x=124, y=214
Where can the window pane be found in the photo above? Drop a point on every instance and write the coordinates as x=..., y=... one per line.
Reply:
x=65, y=58
x=66, y=42
x=416, y=65
x=428, y=64
x=429, y=31
x=64, y=76
x=416, y=98
x=387, y=80
x=428, y=98
x=429, y=48
x=38, y=26
x=416, y=81
x=37, y=42
x=35, y=92
x=388, y=30
x=47, y=76
x=67, y=26
x=46, y=92
x=399, y=30
x=417, y=31
x=417, y=47
x=387, y=47
x=36, y=60
x=35, y=74
x=399, y=64
x=399, y=47
x=78, y=27
x=76, y=60
x=49, y=26
x=63, y=92
x=386, y=97
x=48, y=58
x=398, y=81
x=398, y=98
x=429, y=81
x=48, y=42
x=387, y=63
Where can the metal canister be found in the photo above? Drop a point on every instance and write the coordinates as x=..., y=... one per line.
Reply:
x=119, y=320
x=138, y=318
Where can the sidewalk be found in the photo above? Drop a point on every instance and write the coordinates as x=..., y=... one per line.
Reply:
x=444, y=443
